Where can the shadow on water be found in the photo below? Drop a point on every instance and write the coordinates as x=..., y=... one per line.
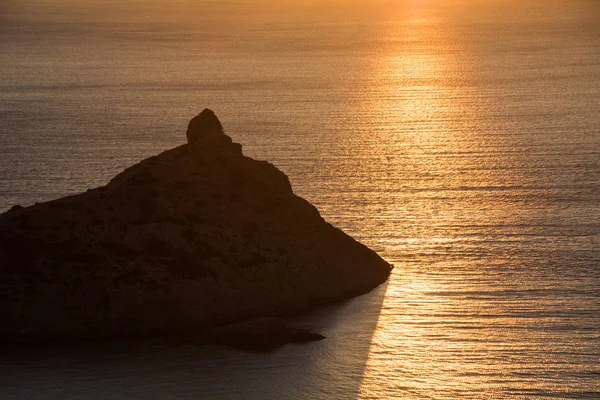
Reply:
x=332, y=368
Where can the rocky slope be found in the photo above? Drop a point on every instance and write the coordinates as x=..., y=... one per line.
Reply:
x=197, y=236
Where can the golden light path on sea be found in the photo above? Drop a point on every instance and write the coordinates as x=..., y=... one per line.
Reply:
x=402, y=355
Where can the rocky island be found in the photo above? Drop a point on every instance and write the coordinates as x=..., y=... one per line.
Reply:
x=194, y=238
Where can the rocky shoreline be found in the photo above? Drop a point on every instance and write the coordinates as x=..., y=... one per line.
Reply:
x=196, y=237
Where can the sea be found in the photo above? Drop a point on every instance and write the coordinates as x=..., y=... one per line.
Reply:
x=460, y=139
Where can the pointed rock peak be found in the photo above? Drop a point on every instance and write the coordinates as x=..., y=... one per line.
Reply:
x=204, y=124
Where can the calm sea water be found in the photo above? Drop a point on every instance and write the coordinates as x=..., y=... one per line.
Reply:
x=459, y=139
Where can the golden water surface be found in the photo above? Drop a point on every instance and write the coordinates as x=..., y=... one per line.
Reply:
x=459, y=139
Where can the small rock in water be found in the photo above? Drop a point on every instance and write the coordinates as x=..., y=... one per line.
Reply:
x=261, y=334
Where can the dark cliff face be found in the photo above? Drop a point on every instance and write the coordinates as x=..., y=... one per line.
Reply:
x=197, y=236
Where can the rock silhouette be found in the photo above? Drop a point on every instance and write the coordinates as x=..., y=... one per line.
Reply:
x=204, y=124
x=195, y=237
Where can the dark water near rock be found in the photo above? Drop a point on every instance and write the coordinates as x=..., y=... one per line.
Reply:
x=461, y=140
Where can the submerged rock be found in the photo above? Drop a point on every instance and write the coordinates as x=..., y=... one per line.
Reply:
x=195, y=237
